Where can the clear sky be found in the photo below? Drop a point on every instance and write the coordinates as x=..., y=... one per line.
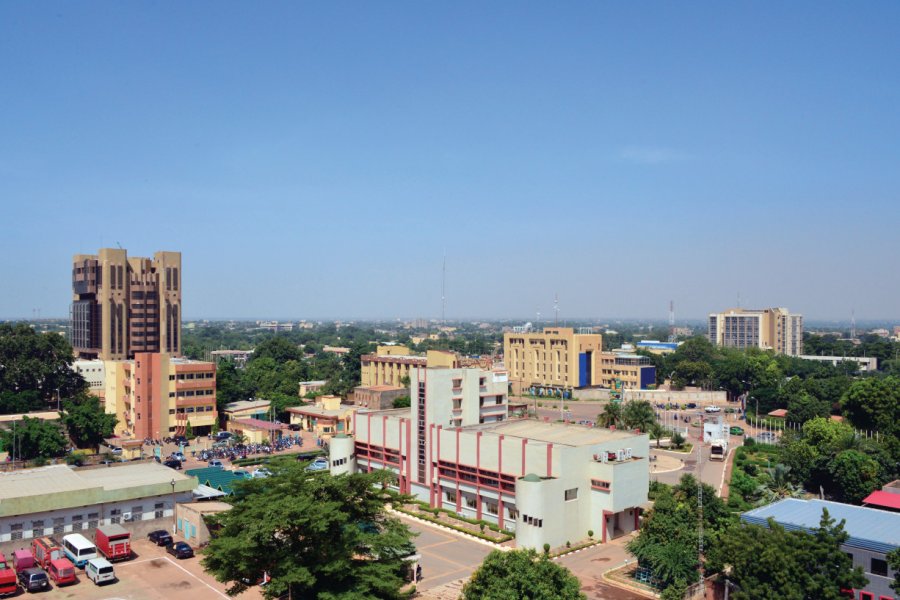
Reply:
x=316, y=159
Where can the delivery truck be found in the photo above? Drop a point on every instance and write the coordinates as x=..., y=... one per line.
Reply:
x=46, y=549
x=8, y=583
x=113, y=542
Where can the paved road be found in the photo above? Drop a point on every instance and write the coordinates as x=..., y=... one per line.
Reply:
x=589, y=566
x=445, y=557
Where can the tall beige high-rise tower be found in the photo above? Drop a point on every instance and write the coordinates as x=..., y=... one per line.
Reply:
x=123, y=305
x=769, y=329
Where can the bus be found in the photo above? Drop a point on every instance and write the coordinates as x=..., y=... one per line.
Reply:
x=718, y=450
x=78, y=549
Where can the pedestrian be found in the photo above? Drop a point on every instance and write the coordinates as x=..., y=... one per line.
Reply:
x=418, y=572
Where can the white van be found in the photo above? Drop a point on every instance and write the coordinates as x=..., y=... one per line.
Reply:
x=78, y=549
x=99, y=570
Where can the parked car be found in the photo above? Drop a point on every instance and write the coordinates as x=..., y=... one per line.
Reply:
x=295, y=427
x=223, y=435
x=178, y=456
x=180, y=550
x=99, y=570
x=160, y=537
x=242, y=474
x=216, y=463
x=320, y=464
x=261, y=472
x=692, y=405
x=173, y=463
x=736, y=430
x=181, y=440
x=766, y=437
x=712, y=409
x=34, y=579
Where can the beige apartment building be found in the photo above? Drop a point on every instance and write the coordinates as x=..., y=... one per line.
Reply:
x=390, y=364
x=124, y=305
x=155, y=395
x=624, y=370
x=768, y=329
x=557, y=358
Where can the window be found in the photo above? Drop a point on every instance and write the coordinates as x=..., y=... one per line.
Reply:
x=572, y=494
x=137, y=513
x=879, y=567
x=77, y=522
x=115, y=515
x=471, y=502
x=59, y=524
x=93, y=520
x=451, y=496
x=491, y=508
x=15, y=531
x=37, y=528
x=158, y=509
x=866, y=596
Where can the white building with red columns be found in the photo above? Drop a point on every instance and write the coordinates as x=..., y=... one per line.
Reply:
x=454, y=448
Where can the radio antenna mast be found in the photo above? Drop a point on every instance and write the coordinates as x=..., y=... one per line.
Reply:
x=443, y=289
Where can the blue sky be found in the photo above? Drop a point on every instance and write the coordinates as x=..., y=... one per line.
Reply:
x=315, y=160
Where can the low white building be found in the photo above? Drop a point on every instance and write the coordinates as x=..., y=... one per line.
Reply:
x=59, y=499
x=865, y=364
x=94, y=372
x=453, y=448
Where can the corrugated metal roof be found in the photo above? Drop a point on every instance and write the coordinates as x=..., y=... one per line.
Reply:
x=214, y=477
x=869, y=528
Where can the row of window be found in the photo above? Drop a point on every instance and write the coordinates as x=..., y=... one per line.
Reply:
x=38, y=527
x=189, y=376
x=192, y=409
x=529, y=520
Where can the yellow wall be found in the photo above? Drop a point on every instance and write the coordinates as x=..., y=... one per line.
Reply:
x=548, y=358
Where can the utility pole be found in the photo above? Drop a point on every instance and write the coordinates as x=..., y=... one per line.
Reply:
x=700, y=508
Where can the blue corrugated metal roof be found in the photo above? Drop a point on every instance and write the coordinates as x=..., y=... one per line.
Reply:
x=869, y=528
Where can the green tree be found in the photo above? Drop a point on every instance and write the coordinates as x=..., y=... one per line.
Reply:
x=318, y=537
x=638, y=414
x=87, y=422
x=855, y=475
x=33, y=438
x=804, y=407
x=777, y=484
x=188, y=431
x=657, y=432
x=874, y=404
x=401, y=402
x=519, y=575
x=278, y=348
x=230, y=386
x=611, y=415
x=770, y=562
x=893, y=560
x=36, y=368
x=692, y=373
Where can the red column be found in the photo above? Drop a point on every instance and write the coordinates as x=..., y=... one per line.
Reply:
x=500, y=511
x=549, y=460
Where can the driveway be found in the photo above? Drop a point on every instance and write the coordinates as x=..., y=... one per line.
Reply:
x=445, y=557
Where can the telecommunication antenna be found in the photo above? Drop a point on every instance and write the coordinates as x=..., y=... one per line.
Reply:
x=672, y=336
x=556, y=308
x=443, y=289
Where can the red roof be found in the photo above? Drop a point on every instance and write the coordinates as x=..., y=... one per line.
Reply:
x=883, y=499
x=778, y=412
x=260, y=424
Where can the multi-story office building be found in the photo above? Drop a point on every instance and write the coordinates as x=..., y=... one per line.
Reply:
x=768, y=329
x=390, y=364
x=557, y=358
x=624, y=370
x=454, y=448
x=122, y=306
x=156, y=395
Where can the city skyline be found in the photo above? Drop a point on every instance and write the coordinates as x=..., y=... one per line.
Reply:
x=321, y=160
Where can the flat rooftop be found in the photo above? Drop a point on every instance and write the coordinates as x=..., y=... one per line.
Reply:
x=560, y=434
x=62, y=478
x=869, y=528
x=247, y=404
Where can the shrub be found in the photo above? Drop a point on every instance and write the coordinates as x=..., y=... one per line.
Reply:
x=481, y=527
x=749, y=441
x=590, y=533
x=546, y=548
x=436, y=511
x=568, y=544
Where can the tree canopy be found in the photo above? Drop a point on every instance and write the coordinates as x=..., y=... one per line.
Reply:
x=33, y=366
x=521, y=575
x=87, y=422
x=317, y=537
x=33, y=438
x=772, y=563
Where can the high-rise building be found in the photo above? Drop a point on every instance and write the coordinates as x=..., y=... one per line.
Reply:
x=122, y=306
x=768, y=329
x=557, y=358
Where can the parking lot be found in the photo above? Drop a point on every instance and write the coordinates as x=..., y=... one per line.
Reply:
x=151, y=575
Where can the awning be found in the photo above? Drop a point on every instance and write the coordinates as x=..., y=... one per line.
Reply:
x=204, y=491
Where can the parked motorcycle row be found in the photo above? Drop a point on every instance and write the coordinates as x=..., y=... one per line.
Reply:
x=245, y=450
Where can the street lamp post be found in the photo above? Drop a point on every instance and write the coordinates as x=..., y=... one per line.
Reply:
x=174, y=527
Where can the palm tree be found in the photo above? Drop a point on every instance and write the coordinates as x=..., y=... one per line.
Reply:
x=778, y=485
x=639, y=414
x=657, y=432
x=611, y=415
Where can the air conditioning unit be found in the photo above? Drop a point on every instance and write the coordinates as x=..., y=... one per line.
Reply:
x=604, y=457
x=126, y=516
x=627, y=453
x=620, y=455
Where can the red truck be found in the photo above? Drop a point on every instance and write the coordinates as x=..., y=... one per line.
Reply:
x=46, y=549
x=113, y=542
x=8, y=585
x=62, y=571
x=22, y=559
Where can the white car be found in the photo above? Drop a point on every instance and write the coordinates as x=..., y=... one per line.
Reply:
x=99, y=570
x=320, y=464
x=712, y=409
x=262, y=472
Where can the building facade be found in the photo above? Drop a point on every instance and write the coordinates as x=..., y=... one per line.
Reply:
x=122, y=306
x=390, y=364
x=620, y=370
x=865, y=364
x=94, y=373
x=377, y=397
x=455, y=449
x=873, y=534
x=767, y=329
x=327, y=417
x=556, y=358
x=58, y=500
x=156, y=395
